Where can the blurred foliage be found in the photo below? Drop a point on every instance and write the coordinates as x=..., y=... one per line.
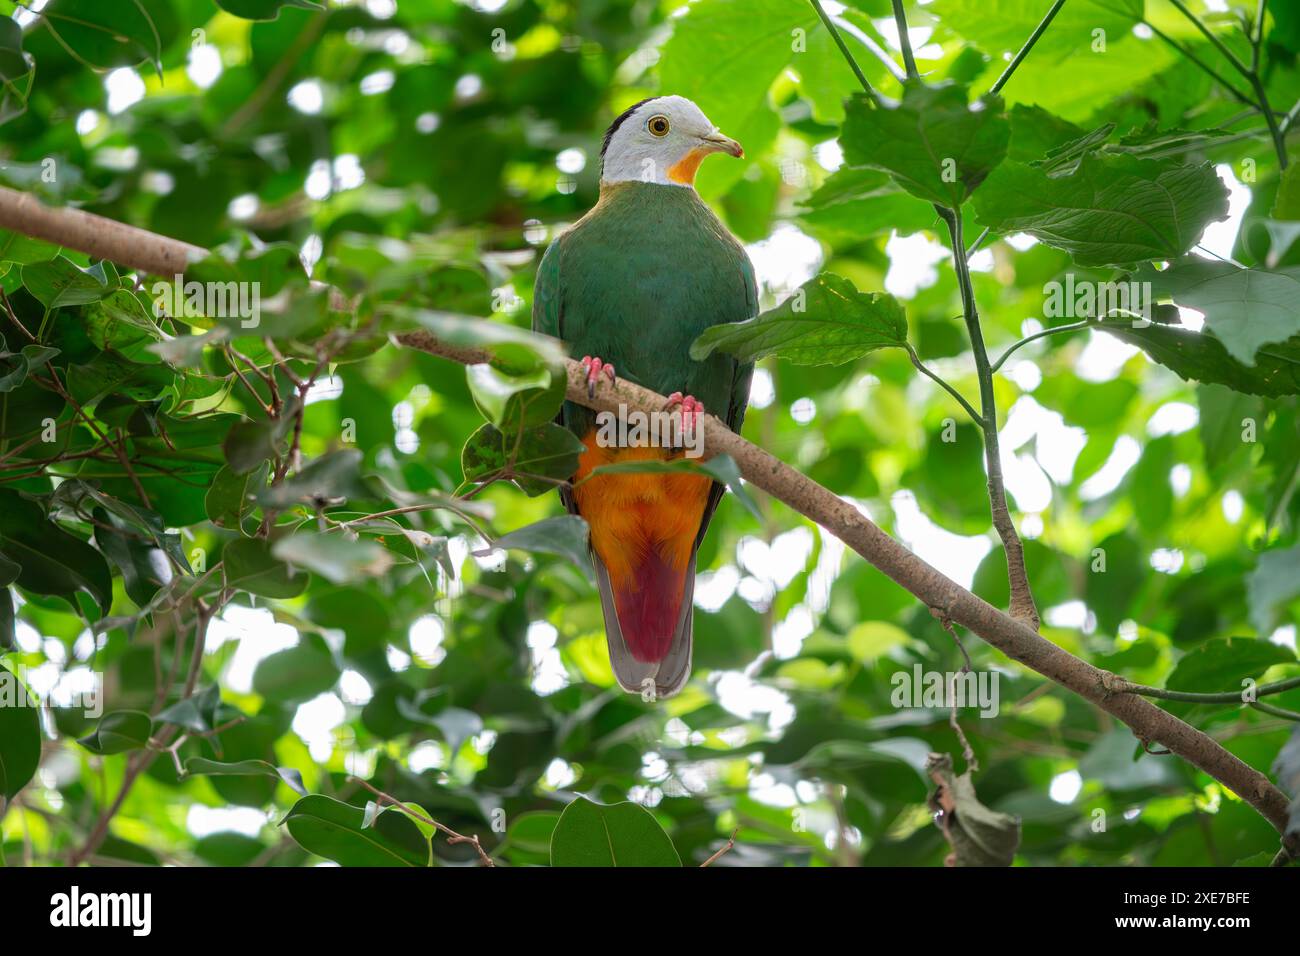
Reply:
x=304, y=492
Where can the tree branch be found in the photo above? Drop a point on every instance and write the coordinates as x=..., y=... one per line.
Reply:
x=158, y=255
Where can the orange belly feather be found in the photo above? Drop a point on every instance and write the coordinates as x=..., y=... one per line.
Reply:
x=643, y=527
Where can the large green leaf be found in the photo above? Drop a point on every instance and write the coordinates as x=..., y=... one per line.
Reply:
x=337, y=831
x=1274, y=584
x=564, y=536
x=119, y=732
x=335, y=557
x=20, y=735
x=549, y=451
x=105, y=35
x=1221, y=665
x=201, y=766
x=826, y=322
x=52, y=561
x=250, y=565
x=298, y=673
x=264, y=9
x=61, y=282
x=623, y=834
x=1244, y=308
x=1200, y=357
x=1113, y=210
x=934, y=144
x=724, y=56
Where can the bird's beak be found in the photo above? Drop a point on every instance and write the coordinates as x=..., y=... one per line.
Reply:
x=715, y=142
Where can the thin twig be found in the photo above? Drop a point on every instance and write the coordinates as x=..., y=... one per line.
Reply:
x=451, y=835
x=731, y=842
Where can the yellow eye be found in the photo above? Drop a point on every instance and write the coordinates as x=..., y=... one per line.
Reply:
x=658, y=125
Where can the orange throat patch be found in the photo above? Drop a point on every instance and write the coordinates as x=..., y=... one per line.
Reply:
x=683, y=171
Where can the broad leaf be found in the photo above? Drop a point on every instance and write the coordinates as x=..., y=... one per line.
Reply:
x=623, y=834
x=934, y=144
x=826, y=322
x=1114, y=210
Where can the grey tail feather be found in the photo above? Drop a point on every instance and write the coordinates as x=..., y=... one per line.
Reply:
x=667, y=676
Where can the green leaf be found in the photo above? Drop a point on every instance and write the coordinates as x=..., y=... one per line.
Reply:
x=1222, y=420
x=61, y=282
x=20, y=735
x=104, y=36
x=331, y=479
x=298, y=673
x=16, y=366
x=731, y=89
x=119, y=732
x=1199, y=357
x=621, y=834
x=1244, y=308
x=1273, y=585
x=1110, y=762
x=200, y=766
x=52, y=561
x=511, y=402
x=230, y=497
x=337, y=831
x=13, y=62
x=550, y=451
x=826, y=322
x=250, y=443
x=861, y=202
x=21, y=249
x=564, y=536
x=197, y=712
x=335, y=557
x=264, y=9
x=250, y=566
x=1114, y=210
x=934, y=144
x=1222, y=664
x=1286, y=204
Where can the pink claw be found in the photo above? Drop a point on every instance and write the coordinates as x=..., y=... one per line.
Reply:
x=595, y=368
x=689, y=406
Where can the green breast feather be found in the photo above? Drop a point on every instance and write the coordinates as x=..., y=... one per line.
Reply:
x=635, y=281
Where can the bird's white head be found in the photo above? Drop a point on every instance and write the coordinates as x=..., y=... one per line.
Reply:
x=661, y=140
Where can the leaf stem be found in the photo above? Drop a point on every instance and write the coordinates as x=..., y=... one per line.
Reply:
x=1237, y=94
x=961, y=399
x=904, y=41
x=1072, y=327
x=1029, y=45
x=1196, y=697
x=1022, y=599
x=839, y=42
x=1214, y=40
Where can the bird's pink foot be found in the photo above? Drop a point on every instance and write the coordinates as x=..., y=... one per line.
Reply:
x=595, y=368
x=691, y=409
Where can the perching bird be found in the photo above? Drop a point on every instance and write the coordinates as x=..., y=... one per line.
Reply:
x=629, y=287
